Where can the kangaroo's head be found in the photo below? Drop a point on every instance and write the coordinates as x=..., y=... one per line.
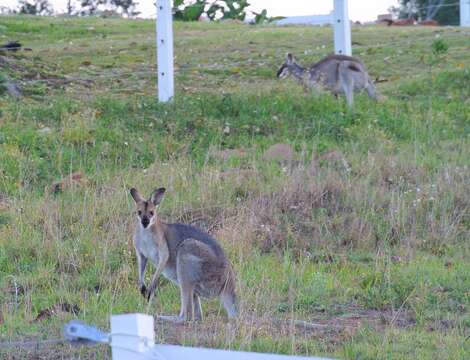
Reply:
x=289, y=67
x=146, y=213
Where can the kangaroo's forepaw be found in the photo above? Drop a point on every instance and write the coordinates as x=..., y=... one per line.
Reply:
x=151, y=293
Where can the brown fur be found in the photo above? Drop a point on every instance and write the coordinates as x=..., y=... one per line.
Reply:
x=187, y=256
x=339, y=74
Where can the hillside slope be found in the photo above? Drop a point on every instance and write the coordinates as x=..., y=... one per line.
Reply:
x=363, y=226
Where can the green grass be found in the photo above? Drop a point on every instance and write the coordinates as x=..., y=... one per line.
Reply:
x=374, y=243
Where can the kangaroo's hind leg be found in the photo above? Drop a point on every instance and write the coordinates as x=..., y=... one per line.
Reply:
x=347, y=85
x=187, y=301
x=189, y=262
x=188, y=311
x=197, y=308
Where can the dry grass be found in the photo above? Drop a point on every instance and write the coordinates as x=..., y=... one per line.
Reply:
x=349, y=241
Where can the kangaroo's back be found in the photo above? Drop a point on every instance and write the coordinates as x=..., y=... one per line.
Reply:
x=177, y=233
x=330, y=66
x=336, y=58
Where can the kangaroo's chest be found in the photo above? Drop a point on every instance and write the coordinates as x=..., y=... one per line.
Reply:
x=145, y=242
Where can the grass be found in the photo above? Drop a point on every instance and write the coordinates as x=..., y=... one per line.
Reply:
x=365, y=231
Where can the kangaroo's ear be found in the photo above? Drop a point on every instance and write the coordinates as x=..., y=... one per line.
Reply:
x=289, y=59
x=136, y=196
x=157, y=196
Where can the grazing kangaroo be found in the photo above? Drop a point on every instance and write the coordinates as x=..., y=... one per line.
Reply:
x=338, y=74
x=187, y=256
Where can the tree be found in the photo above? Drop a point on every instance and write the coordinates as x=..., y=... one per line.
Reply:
x=35, y=7
x=70, y=7
x=445, y=12
x=187, y=10
x=235, y=9
x=89, y=7
x=125, y=7
x=5, y=10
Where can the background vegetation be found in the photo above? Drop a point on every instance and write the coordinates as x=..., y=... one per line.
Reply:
x=363, y=227
x=445, y=12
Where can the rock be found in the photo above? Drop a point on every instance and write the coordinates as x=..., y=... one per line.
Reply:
x=57, y=308
x=312, y=169
x=75, y=179
x=336, y=159
x=279, y=152
x=45, y=130
x=11, y=46
x=12, y=89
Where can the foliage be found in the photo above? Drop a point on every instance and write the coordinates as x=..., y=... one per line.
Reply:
x=89, y=7
x=445, y=12
x=263, y=17
x=214, y=10
x=125, y=7
x=35, y=7
x=190, y=12
x=236, y=9
x=439, y=47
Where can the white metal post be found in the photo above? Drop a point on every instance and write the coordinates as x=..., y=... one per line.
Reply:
x=464, y=12
x=132, y=336
x=165, y=50
x=342, y=28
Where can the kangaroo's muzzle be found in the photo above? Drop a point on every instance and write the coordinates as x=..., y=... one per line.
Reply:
x=145, y=221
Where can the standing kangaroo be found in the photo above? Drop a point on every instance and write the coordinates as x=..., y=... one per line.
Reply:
x=187, y=256
x=338, y=74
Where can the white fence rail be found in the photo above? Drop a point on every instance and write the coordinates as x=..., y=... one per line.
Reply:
x=132, y=337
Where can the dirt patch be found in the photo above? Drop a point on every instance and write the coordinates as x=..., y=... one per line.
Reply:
x=279, y=152
x=227, y=154
x=333, y=330
x=55, y=309
x=292, y=210
x=4, y=202
x=335, y=159
x=46, y=351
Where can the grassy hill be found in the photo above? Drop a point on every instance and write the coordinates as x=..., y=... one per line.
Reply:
x=365, y=229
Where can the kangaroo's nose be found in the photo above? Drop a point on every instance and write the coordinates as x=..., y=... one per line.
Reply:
x=145, y=222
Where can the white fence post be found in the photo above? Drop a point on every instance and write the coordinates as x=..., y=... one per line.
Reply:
x=165, y=50
x=342, y=28
x=464, y=12
x=132, y=336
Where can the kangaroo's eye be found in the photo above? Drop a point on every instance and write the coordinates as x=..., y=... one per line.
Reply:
x=151, y=213
x=139, y=212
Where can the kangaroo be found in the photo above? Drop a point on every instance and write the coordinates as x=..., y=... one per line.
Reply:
x=185, y=255
x=339, y=74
